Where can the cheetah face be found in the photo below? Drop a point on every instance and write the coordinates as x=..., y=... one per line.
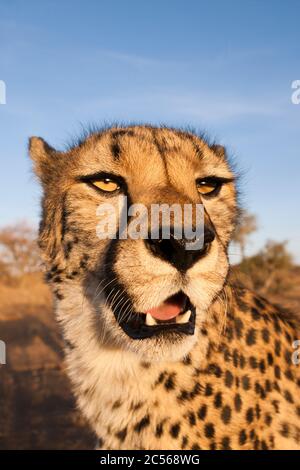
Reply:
x=147, y=295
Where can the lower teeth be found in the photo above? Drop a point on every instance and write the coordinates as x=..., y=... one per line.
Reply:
x=184, y=317
x=181, y=318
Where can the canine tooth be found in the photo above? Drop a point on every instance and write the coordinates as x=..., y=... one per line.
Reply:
x=184, y=317
x=150, y=321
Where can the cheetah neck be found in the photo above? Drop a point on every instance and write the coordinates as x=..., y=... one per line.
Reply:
x=115, y=386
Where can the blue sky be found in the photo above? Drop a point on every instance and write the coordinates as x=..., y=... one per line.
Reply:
x=223, y=66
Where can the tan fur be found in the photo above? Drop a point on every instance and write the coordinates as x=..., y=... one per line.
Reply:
x=232, y=383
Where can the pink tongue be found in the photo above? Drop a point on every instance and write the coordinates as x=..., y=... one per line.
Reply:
x=165, y=311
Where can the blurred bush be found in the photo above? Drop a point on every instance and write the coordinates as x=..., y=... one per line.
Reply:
x=267, y=272
x=19, y=253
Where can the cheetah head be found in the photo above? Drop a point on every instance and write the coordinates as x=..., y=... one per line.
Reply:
x=147, y=294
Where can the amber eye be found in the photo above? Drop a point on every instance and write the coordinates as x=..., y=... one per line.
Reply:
x=208, y=186
x=106, y=184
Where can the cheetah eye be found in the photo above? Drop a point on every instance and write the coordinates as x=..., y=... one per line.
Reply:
x=209, y=186
x=106, y=184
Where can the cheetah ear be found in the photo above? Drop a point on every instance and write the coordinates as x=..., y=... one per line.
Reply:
x=219, y=150
x=42, y=155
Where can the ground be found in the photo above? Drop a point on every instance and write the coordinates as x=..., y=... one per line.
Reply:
x=37, y=407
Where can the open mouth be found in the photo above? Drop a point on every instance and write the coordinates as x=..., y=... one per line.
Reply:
x=175, y=314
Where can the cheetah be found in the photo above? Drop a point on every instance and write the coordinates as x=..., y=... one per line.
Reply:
x=162, y=350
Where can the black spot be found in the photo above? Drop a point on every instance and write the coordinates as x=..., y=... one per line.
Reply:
x=268, y=385
x=184, y=395
x=276, y=387
x=275, y=404
x=228, y=379
x=145, y=365
x=277, y=325
x=69, y=344
x=235, y=358
x=196, y=390
x=229, y=333
x=192, y=418
x=251, y=337
x=226, y=414
x=260, y=391
x=289, y=374
x=208, y=390
x=202, y=412
x=256, y=444
x=264, y=445
x=209, y=430
x=121, y=435
x=142, y=424
x=242, y=361
x=174, y=430
x=218, y=400
x=242, y=305
x=277, y=372
x=253, y=362
x=58, y=295
x=161, y=378
x=196, y=447
x=259, y=303
x=238, y=402
x=100, y=442
x=285, y=430
x=288, y=396
x=265, y=335
x=187, y=360
x=270, y=359
x=268, y=419
x=238, y=325
x=255, y=314
x=262, y=366
x=250, y=415
x=184, y=442
x=288, y=357
x=242, y=437
x=246, y=382
x=257, y=411
x=215, y=370
x=116, y=405
x=159, y=429
x=277, y=347
x=170, y=383
x=225, y=443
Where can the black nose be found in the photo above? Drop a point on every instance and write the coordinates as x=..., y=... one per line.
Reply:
x=175, y=250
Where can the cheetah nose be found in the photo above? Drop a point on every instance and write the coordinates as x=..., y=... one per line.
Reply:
x=175, y=251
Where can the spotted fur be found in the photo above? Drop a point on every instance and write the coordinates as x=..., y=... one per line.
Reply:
x=231, y=385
